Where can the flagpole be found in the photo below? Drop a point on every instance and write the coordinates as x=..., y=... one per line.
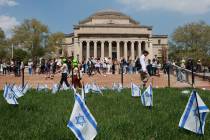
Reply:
x=198, y=111
x=83, y=88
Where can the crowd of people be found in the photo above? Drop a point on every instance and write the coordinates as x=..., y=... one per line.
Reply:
x=91, y=66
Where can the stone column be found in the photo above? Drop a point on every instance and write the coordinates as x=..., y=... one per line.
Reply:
x=81, y=51
x=118, y=50
x=95, y=49
x=110, y=49
x=102, y=49
x=132, y=51
x=88, y=50
x=150, y=48
x=125, y=50
x=139, y=49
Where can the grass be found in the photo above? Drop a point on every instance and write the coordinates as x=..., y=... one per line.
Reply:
x=43, y=116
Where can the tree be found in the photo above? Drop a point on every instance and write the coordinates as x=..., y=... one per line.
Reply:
x=3, y=45
x=20, y=54
x=55, y=41
x=191, y=41
x=29, y=35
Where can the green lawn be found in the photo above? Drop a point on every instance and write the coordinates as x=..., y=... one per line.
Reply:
x=119, y=116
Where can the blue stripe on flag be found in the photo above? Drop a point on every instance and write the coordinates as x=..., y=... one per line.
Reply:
x=14, y=99
x=203, y=108
x=203, y=117
x=84, y=109
x=151, y=96
x=76, y=130
x=6, y=91
x=188, y=110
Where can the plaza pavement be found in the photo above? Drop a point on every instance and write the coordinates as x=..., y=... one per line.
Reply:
x=104, y=80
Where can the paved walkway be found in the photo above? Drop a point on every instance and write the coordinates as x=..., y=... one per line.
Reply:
x=106, y=81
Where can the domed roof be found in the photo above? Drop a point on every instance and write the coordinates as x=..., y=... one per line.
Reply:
x=108, y=14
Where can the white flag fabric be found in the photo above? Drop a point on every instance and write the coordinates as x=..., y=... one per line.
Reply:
x=147, y=96
x=9, y=95
x=25, y=88
x=120, y=87
x=81, y=122
x=83, y=93
x=135, y=90
x=195, y=114
x=87, y=88
x=17, y=91
x=55, y=88
x=114, y=86
x=41, y=87
x=117, y=86
x=64, y=87
x=95, y=88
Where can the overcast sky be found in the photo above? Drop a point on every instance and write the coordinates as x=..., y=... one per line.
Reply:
x=60, y=15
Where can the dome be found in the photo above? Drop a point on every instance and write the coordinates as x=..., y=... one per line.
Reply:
x=108, y=14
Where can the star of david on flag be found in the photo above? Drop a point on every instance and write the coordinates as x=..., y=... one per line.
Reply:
x=147, y=96
x=81, y=122
x=9, y=95
x=195, y=113
x=17, y=91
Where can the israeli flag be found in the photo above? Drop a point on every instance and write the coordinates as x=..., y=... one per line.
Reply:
x=81, y=122
x=147, y=97
x=114, y=86
x=96, y=88
x=9, y=95
x=120, y=87
x=64, y=87
x=41, y=87
x=87, y=88
x=117, y=86
x=17, y=91
x=135, y=90
x=25, y=88
x=195, y=114
x=55, y=88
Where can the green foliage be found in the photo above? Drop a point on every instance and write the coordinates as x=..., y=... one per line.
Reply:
x=55, y=40
x=191, y=41
x=20, y=54
x=119, y=116
x=30, y=34
x=2, y=35
x=3, y=45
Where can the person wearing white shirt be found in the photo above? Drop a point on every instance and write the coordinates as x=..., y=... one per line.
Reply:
x=144, y=73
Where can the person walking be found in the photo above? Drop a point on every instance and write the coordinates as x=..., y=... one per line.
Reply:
x=144, y=73
x=64, y=74
x=4, y=66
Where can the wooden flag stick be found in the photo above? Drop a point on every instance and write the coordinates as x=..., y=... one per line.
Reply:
x=83, y=88
x=198, y=111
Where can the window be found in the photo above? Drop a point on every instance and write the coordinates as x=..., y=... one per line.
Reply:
x=159, y=41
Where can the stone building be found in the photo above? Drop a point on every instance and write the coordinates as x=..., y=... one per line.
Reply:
x=110, y=33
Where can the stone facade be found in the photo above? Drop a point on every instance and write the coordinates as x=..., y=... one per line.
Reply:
x=113, y=34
